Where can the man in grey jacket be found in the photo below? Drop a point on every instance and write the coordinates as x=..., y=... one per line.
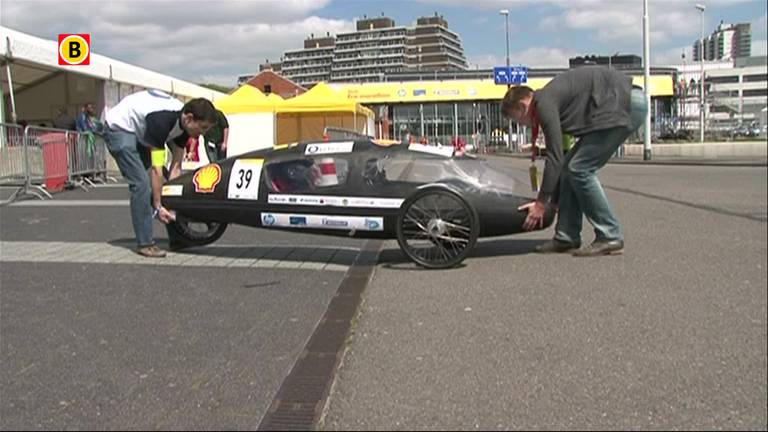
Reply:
x=600, y=107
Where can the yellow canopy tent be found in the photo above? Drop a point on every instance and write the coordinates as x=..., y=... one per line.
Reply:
x=245, y=99
x=251, y=117
x=305, y=117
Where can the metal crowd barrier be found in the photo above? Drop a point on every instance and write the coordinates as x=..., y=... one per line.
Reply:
x=11, y=155
x=40, y=160
x=87, y=153
x=15, y=166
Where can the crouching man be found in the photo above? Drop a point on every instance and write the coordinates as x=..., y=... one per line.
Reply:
x=138, y=129
x=600, y=107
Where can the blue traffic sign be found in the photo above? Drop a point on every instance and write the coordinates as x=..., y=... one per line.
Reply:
x=510, y=75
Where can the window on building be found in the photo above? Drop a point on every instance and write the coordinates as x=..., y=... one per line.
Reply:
x=755, y=78
x=723, y=79
x=756, y=92
x=725, y=94
x=720, y=109
x=267, y=88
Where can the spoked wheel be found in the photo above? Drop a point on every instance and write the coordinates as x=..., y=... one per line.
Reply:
x=437, y=228
x=188, y=233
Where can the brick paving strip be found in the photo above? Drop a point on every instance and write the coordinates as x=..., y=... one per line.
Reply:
x=328, y=258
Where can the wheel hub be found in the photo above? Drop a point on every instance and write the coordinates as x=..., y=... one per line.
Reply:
x=436, y=227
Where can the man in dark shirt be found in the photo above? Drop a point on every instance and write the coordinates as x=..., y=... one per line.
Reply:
x=600, y=107
x=138, y=129
x=216, y=138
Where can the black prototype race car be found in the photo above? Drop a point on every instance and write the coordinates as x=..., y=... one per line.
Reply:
x=434, y=203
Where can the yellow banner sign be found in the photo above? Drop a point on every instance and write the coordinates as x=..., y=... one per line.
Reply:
x=459, y=90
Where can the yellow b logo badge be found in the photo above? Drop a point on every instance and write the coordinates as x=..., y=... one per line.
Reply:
x=74, y=49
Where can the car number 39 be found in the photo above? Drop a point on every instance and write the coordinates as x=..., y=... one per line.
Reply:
x=244, y=180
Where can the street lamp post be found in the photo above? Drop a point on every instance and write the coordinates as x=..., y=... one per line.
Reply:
x=701, y=9
x=505, y=12
x=647, y=80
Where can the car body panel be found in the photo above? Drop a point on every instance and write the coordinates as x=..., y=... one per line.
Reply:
x=343, y=187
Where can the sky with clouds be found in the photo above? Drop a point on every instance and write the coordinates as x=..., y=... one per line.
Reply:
x=217, y=40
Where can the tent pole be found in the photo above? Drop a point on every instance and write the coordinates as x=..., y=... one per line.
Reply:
x=14, y=118
x=2, y=113
x=8, y=56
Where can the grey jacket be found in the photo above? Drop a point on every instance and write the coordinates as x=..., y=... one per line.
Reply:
x=579, y=101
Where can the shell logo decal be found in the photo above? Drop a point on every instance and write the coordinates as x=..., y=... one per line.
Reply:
x=206, y=178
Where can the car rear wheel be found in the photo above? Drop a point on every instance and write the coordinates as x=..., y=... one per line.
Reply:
x=184, y=233
x=437, y=228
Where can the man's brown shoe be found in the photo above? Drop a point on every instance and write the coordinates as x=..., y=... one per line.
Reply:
x=151, y=251
x=555, y=246
x=601, y=247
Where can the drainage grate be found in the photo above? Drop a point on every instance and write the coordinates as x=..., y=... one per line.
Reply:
x=300, y=400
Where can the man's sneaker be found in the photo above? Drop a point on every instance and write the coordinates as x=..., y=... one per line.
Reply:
x=601, y=247
x=555, y=246
x=151, y=252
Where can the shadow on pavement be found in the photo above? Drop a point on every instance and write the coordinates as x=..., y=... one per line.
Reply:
x=396, y=259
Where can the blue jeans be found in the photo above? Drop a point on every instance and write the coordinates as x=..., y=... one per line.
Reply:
x=133, y=163
x=580, y=190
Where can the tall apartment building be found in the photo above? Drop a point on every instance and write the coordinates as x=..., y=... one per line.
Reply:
x=313, y=63
x=727, y=43
x=376, y=48
x=432, y=46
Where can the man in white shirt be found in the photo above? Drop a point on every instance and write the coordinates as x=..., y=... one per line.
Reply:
x=138, y=129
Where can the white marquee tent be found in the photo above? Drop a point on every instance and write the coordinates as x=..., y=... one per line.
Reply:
x=35, y=87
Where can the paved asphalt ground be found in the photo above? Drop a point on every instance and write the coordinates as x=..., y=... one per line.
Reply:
x=92, y=336
x=671, y=335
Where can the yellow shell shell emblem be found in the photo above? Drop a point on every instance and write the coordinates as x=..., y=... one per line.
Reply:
x=206, y=178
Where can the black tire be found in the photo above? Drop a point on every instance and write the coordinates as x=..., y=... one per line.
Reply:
x=184, y=233
x=437, y=228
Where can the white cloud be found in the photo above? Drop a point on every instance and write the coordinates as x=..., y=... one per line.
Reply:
x=169, y=13
x=485, y=61
x=538, y=57
x=484, y=5
x=194, y=40
x=671, y=56
x=621, y=22
x=238, y=49
x=760, y=26
x=759, y=47
x=544, y=56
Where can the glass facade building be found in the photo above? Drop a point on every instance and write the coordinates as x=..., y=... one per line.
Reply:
x=477, y=123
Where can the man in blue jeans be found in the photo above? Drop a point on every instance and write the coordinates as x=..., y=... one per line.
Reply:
x=600, y=107
x=137, y=131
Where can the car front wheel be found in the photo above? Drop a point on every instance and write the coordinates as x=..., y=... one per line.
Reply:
x=437, y=228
